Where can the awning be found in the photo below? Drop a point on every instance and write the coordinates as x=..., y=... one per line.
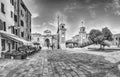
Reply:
x=15, y=38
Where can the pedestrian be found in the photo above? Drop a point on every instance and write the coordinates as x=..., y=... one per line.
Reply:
x=52, y=46
x=40, y=47
x=48, y=46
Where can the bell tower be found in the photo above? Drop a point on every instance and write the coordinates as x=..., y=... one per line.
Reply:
x=82, y=33
x=62, y=35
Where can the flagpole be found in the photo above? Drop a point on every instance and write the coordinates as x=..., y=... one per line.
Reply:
x=58, y=34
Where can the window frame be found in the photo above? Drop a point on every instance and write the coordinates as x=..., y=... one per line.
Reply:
x=22, y=23
x=2, y=8
x=3, y=44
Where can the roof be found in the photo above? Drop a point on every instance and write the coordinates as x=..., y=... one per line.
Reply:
x=25, y=7
x=38, y=34
x=15, y=38
x=117, y=34
x=75, y=36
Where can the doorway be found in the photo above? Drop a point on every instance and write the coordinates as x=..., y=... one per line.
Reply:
x=47, y=42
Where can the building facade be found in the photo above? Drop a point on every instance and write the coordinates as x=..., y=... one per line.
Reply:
x=116, y=40
x=6, y=20
x=45, y=39
x=75, y=38
x=12, y=24
x=83, y=36
x=6, y=15
x=22, y=20
x=52, y=39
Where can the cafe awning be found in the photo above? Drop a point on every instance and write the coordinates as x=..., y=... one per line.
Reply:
x=14, y=38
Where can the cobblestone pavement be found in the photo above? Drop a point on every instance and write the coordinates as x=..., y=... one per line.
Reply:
x=56, y=63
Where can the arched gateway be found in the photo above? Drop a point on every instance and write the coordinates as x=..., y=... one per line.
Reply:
x=47, y=42
x=51, y=40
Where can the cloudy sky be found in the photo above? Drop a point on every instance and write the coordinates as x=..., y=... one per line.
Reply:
x=96, y=14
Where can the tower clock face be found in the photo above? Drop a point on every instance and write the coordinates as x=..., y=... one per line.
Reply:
x=83, y=36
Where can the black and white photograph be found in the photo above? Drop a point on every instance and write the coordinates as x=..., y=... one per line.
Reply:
x=59, y=38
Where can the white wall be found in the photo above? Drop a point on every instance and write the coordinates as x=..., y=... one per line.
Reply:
x=7, y=16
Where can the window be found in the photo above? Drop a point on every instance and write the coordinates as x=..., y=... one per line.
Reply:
x=30, y=38
x=16, y=31
x=22, y=34
x=16, y=47
x=11, y=14
x=15, y=4
x=22, y=23
x=12, y=2
x=2, y=8
x=15, y=18
x=4, y=26
x=22, y=13
x=1, y=24
x=13, y=44
x=13, y=30
x=3, y=44
x=62, y=26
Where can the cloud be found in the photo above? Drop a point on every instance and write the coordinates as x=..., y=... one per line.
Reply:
x=117, y=12
x=116, y=4
x=92, y=13
x=70, y=7
x=71, y=12
x=34, y=15
x=113, y=7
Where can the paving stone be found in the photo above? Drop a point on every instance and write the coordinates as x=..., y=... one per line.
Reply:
x=73, y=73
x=45, y=71
x=56, y=75
x=51, y=74
x=68, y=75
x=63, y=76
x=40, y=67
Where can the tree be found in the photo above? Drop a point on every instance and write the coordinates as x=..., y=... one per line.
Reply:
x=107, y=34
x=99, y=37
x=94, y=33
